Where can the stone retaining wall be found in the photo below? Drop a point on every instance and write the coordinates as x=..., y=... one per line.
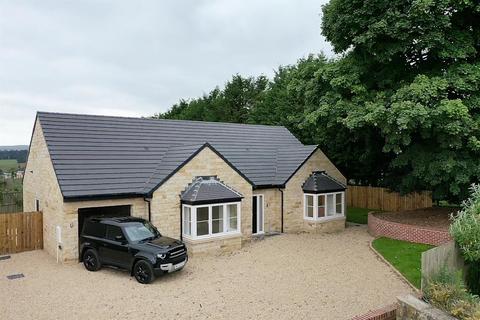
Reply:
x=383, y=228
x=411, y=308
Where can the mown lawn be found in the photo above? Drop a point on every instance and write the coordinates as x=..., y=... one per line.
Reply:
x=405, y=256
x=358, y=215
x=8, y=164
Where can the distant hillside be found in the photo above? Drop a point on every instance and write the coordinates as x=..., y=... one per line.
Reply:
x=17, y=147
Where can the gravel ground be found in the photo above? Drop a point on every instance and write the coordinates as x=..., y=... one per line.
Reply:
x=333, y=276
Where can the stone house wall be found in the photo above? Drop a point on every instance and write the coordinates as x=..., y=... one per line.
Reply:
x=272, y=209
x=293, y=197
x=40, y=183
x=69, y=220
x=166, y=200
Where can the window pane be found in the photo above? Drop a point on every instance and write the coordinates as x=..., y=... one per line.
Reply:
x=338, y=201
x=321, y=206
x=217, y=219
x=202, y=221
x=113, y=232
x=217, y=226
x=309, y=200
x=321, y=200
x=232, y=210
x=202, y=214
x=217, y=212
x=94, y=229
x=202, y=228
x=233, y=225
x=330, y=205
x=309, y=206
x=232, y=217
x=310, y=212
x=187, y=218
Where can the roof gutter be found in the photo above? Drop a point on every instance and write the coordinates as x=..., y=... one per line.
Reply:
x=268, y=186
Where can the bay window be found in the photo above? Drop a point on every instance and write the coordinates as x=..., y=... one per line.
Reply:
x=324, y=206
x=203, y=221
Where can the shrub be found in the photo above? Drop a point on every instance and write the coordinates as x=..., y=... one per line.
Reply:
x=465, y=228
x=447, y=291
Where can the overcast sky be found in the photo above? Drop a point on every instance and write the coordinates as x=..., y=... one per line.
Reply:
x=137, y=58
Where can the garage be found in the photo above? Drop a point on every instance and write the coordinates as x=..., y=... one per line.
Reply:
x=112, y=211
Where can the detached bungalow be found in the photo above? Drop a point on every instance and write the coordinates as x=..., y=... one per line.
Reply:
x=215, y=185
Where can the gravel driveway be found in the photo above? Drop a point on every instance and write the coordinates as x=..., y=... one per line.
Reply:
x=304, y=276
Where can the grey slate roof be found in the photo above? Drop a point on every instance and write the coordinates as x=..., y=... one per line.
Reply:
x=102, y=156
x=320, y=182
x=208, y=189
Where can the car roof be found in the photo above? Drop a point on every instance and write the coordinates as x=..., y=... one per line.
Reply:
x=116, y=220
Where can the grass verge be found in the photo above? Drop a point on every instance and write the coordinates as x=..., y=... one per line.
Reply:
x=358, y=215
x=405, y=256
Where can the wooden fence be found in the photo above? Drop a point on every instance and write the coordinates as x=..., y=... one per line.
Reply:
x=22, y=231
x=445, y=256
x=386, y=200
x=11, y=201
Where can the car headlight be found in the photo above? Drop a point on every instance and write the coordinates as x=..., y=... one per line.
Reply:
x=161, y=255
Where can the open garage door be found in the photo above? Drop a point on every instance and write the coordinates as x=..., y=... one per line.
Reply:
x=112, y=211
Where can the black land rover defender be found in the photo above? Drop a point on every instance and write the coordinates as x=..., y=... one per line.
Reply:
x=132, y=244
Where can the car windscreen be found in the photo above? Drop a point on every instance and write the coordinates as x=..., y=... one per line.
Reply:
x=141, y=231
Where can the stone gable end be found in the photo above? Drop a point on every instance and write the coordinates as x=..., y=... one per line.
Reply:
x=293, y=196
x=166, y=199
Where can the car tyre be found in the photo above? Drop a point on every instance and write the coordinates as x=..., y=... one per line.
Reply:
x=91, y=260
x=143, y=272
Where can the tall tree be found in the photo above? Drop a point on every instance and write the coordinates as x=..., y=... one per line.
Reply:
x=418, y=78
x=400, y=107
x=233, y=103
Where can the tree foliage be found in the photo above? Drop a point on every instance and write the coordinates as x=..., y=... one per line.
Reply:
x=399, y=107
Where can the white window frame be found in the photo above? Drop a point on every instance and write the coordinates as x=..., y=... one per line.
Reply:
x=193, y=226
x=260, y=195
x=315, y=206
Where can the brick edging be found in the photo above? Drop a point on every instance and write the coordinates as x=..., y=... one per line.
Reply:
x=380, y=227
x=388, y=312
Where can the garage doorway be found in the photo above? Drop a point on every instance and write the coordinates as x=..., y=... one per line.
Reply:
x=112, y=211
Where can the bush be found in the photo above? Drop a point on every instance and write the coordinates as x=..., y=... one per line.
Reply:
x=465, y=228
x=447, y=291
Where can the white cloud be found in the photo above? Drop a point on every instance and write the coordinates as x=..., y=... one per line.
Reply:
x=138, y=58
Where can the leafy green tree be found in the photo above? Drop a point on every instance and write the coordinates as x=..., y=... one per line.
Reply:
x=231, y=104
x=415, y=77
x=398, y=108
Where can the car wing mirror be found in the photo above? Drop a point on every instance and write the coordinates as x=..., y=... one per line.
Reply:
x=121, y=239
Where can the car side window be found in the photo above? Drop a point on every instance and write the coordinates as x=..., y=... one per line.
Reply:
x=114, y=233
x=94, y=229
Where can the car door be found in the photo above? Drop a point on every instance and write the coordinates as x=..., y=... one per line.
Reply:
x=115, y=250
